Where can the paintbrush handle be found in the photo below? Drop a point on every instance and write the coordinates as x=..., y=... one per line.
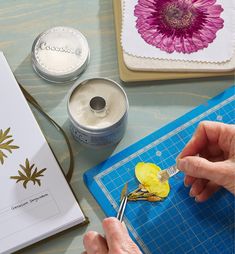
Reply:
x=172, y=171
x=165, y=174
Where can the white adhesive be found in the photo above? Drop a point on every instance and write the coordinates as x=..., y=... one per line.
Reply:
x=116, y=104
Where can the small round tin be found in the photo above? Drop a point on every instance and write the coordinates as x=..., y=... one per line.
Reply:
x=97, y=109
x=60, y=54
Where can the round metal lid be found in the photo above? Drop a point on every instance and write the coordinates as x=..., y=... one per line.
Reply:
x=60, y=54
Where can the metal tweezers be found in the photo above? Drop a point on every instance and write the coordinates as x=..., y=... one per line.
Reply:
x=122, y=207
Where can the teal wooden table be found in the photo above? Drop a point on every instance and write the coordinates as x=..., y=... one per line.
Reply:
x=152, y=104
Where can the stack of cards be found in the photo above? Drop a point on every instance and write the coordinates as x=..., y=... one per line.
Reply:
x=136, y=63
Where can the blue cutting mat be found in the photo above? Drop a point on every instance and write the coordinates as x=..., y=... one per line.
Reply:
x=178, y=224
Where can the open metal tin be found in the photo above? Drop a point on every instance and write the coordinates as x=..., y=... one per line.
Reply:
x=97, y=109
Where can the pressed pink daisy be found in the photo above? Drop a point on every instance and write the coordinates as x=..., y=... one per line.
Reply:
x=178, y=25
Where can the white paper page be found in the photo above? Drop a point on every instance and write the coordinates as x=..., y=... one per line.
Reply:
x=37, y=211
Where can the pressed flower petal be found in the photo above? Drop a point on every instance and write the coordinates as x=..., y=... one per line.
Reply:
x=177, y=44
x=157, y=39
x=197, y=41
x=188, y=47
x=184, y=26
x=203, y=3
x=161, y=190
x=215, y=11
x=146, y=173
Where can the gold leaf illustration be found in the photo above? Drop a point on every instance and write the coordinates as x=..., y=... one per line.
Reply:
x=29, y=173
x=6, y=144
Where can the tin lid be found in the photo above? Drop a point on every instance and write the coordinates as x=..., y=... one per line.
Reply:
x=60, y=54
x=97, y=103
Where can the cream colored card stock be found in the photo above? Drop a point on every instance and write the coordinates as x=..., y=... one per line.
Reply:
x=132, y=68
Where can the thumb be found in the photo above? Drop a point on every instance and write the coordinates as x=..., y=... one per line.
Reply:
x=200, y=168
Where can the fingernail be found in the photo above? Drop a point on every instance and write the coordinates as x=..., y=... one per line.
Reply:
x=177, y=158
x=181, y=164
x=186, y=185
x=124, y=226
x=191, y=193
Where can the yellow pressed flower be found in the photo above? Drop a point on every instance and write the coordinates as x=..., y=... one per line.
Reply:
x=146, y=173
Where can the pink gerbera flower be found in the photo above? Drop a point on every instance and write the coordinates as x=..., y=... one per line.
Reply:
x=178, y=25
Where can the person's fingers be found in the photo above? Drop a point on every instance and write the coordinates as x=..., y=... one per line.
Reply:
x=197, y=143
x=188, y=180
x=124, y=226
x=115, y=232
x=227, y=139
x=215, y=159
x=208, y=191
x=213, y=153
x=200, y=168
x=197, y=187
x=117, y=236
x=222, y=172
x=209, y=132
x=94, y=243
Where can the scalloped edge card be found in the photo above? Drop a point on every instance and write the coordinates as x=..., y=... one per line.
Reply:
x=188, y=30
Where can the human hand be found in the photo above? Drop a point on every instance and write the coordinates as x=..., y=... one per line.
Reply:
x=116, y=240
x=214, y=142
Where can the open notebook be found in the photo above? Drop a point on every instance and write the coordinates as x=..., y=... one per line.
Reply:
x=36, y=201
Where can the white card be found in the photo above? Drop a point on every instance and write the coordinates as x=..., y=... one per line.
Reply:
x=220, y=50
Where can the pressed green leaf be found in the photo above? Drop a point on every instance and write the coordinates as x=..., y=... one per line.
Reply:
x=31, y=174
x=15, y=177
x=25, y=183
x=21, y=174
x=27, y=169
x=10, y=148
x=6, y=144
x=2, y=156
x=39, y=173
x=31, y=167
x=3, y=135
x=27, y=165
x=24, y=170
x=7, y=131
x=34, y=173
x=38, y=181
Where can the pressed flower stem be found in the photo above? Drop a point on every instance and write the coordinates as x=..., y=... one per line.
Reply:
x=136, y=190
x=136, y=199
x=152, y=199
x=139, y=195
